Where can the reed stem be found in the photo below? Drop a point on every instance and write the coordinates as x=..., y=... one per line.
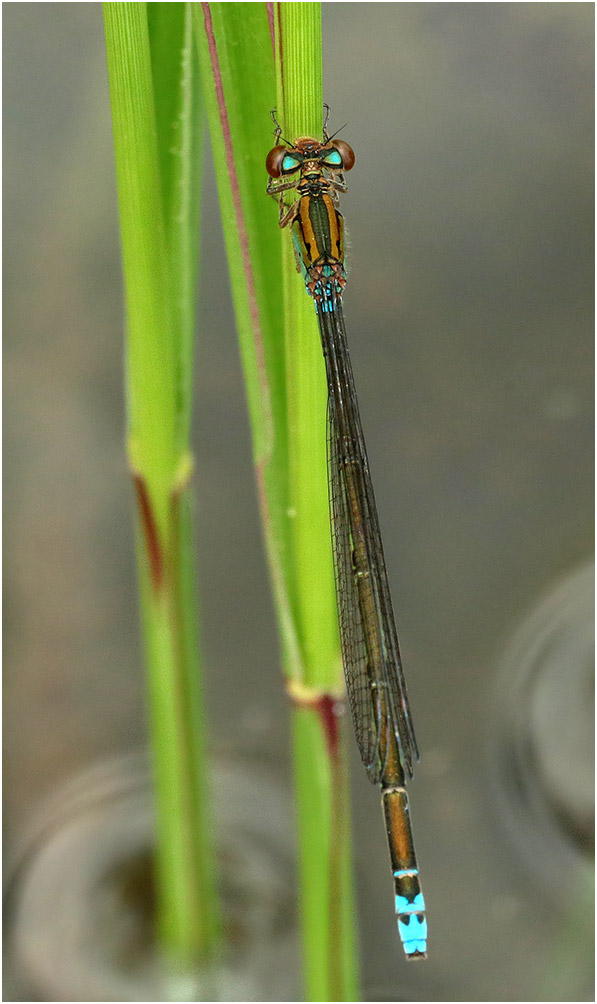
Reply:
x=154, y=96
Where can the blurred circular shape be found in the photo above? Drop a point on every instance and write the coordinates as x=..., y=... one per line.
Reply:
x=542, y=743
x=80, y=903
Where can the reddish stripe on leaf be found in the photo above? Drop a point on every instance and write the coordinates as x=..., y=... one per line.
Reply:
x=329, y=708
x=236, y=197
x=150, y=533
x=272, y=28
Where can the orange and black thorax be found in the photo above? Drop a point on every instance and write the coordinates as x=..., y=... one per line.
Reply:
x=318, y=232
x=318, y=226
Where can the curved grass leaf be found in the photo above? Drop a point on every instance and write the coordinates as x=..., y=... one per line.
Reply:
x=154, y=96
x=286, y=390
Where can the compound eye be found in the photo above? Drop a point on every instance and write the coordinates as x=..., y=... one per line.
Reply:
x=281, y=160
x=341, y=152
x=274, y=160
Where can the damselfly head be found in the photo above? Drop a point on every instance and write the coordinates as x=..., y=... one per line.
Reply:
x=285, y=160
x=336, y=156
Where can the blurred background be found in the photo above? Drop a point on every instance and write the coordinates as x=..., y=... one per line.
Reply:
x=470, y=314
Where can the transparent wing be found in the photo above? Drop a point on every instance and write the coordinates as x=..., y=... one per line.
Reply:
x=364, y=700
x=367, y=628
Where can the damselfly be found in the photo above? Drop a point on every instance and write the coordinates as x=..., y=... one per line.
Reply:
x=370, y=653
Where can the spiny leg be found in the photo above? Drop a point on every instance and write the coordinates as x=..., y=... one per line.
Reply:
x=278, y=131
x=327, y=115
x=286, y=213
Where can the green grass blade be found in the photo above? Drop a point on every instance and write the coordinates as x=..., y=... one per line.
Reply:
x=321, y=772
x=287, y=396
x=154, y=95
x=235, y=46
x=180, y=126
x=150, y=374
x=300, y=111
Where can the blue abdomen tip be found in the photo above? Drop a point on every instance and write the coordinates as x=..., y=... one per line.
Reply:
x=413, y=933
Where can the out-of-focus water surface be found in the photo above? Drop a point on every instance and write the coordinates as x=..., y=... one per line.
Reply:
x=469, y=311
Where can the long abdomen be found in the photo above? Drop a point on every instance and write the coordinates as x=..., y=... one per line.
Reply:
x=370, y=652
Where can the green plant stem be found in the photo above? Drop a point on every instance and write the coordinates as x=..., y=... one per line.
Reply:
x=300, y=104
x=156, y=150
x=286, y=392
x=236, y=56
x=321, y=771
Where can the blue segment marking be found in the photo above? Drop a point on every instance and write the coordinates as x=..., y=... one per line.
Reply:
x=406, y=871
x=323, y=303
x=406, y=905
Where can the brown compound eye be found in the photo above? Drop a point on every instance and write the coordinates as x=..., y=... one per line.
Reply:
x=346, y=152
x=281, y=161
x=273, y=161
